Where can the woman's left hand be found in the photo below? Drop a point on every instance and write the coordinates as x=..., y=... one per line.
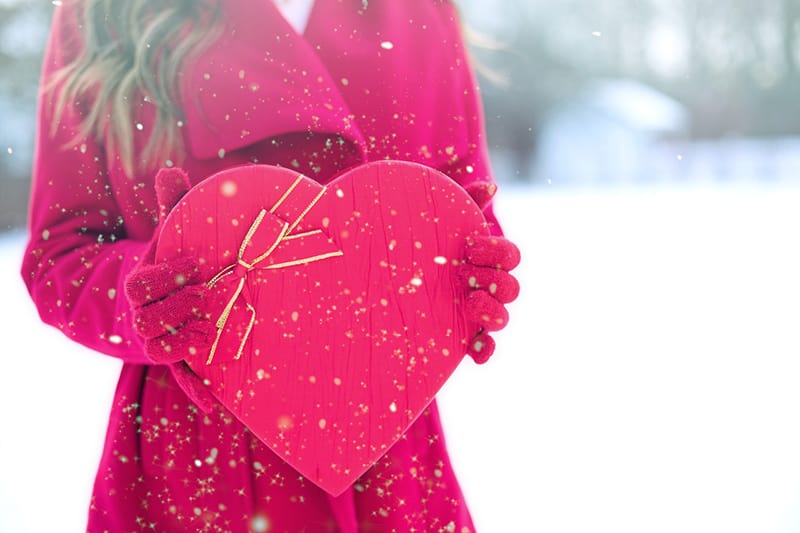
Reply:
x=486, y=274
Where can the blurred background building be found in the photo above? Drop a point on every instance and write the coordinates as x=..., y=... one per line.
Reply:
x=623, y=91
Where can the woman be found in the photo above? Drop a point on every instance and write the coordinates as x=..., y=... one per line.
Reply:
x=132, y=86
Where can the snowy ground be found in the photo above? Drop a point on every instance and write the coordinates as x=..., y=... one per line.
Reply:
x=648, y=381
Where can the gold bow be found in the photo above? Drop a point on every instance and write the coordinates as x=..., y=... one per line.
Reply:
x=241, y=267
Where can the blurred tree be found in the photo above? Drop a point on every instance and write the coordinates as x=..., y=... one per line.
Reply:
x=23, y=31
x=790, y=16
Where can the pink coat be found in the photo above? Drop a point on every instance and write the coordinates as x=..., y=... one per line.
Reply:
x=367, y=81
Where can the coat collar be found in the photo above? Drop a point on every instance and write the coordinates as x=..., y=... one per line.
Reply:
x=260, y=79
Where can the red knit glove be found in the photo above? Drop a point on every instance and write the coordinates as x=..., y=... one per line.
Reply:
x=485, y=272
x=168, y=301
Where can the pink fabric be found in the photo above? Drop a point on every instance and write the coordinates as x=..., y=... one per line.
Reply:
x=495, y=252
x=168, y=298
x=389, y=80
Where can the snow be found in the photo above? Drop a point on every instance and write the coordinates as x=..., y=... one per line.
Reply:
x=647, y=380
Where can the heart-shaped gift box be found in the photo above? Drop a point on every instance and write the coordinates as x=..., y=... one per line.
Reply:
x=338, y=308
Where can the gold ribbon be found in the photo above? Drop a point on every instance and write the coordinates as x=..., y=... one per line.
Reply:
x=242, y=267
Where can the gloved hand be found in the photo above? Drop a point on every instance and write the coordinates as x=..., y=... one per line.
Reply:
x=485, y=273
x=168, y=301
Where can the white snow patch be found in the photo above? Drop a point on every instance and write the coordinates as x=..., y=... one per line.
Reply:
x=647, y=380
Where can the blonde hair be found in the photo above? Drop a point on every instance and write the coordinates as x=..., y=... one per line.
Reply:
x=134, y=49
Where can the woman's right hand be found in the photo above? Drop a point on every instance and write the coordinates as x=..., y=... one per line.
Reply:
x=169, y=309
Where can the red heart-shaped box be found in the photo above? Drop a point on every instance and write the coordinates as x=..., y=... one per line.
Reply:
x=338, y=307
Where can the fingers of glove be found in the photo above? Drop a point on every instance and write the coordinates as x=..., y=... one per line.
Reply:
x=481, y=348
x=193, y=386
x=191, y=338
x=484, y=310
x=490, y=251
x=499, y=283
x=167, y=315
x=170, y=184
x=153, y=282
x=482, y=192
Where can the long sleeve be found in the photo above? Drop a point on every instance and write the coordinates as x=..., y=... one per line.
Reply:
x=472, y=167
x=77, y=255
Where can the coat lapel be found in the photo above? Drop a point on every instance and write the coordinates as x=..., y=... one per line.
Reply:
x=260, y=79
